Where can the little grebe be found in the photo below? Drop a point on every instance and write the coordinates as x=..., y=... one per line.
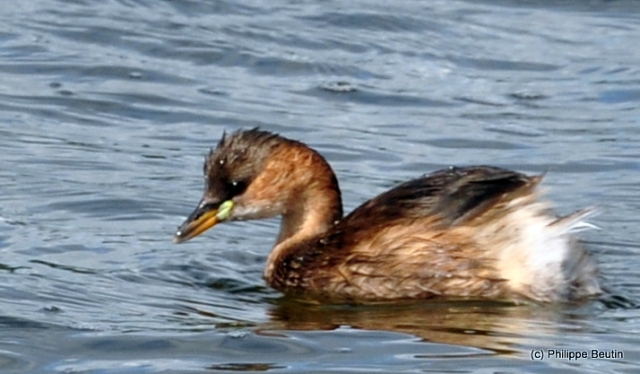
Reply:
x=476, y=232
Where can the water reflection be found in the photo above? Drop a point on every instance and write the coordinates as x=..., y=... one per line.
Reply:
x=499, y=327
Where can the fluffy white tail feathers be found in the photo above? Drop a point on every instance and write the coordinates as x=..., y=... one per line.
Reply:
x=576, y=222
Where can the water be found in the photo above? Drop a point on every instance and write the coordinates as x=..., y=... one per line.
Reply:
x=107, y=109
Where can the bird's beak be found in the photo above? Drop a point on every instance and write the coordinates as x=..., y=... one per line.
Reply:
x=204, y=217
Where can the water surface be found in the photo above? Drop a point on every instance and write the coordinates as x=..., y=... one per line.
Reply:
x=107, y=109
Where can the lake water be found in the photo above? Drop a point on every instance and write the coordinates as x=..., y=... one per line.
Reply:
x=107, y=108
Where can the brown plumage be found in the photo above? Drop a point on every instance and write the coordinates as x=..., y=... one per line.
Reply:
x=475, y=232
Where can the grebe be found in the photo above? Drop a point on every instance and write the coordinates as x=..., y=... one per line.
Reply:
x=475, y=232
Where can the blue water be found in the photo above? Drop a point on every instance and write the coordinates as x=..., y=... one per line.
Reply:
x=106, y=111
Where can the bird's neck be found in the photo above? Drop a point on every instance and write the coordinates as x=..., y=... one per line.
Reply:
x=313, y=206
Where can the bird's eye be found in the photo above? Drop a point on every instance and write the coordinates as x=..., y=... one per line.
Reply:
x=236, y=187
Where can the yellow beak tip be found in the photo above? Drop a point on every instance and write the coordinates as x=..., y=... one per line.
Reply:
x=191, y=229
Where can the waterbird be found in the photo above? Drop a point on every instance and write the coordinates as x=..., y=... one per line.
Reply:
x=476, y=232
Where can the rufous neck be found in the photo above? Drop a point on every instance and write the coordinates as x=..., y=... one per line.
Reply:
x=311, y=213
x=313, y=206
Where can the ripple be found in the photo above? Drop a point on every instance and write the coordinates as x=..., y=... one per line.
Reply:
x=456, y=143
x=368, y=96
x=619, y=96
x=513, y=129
